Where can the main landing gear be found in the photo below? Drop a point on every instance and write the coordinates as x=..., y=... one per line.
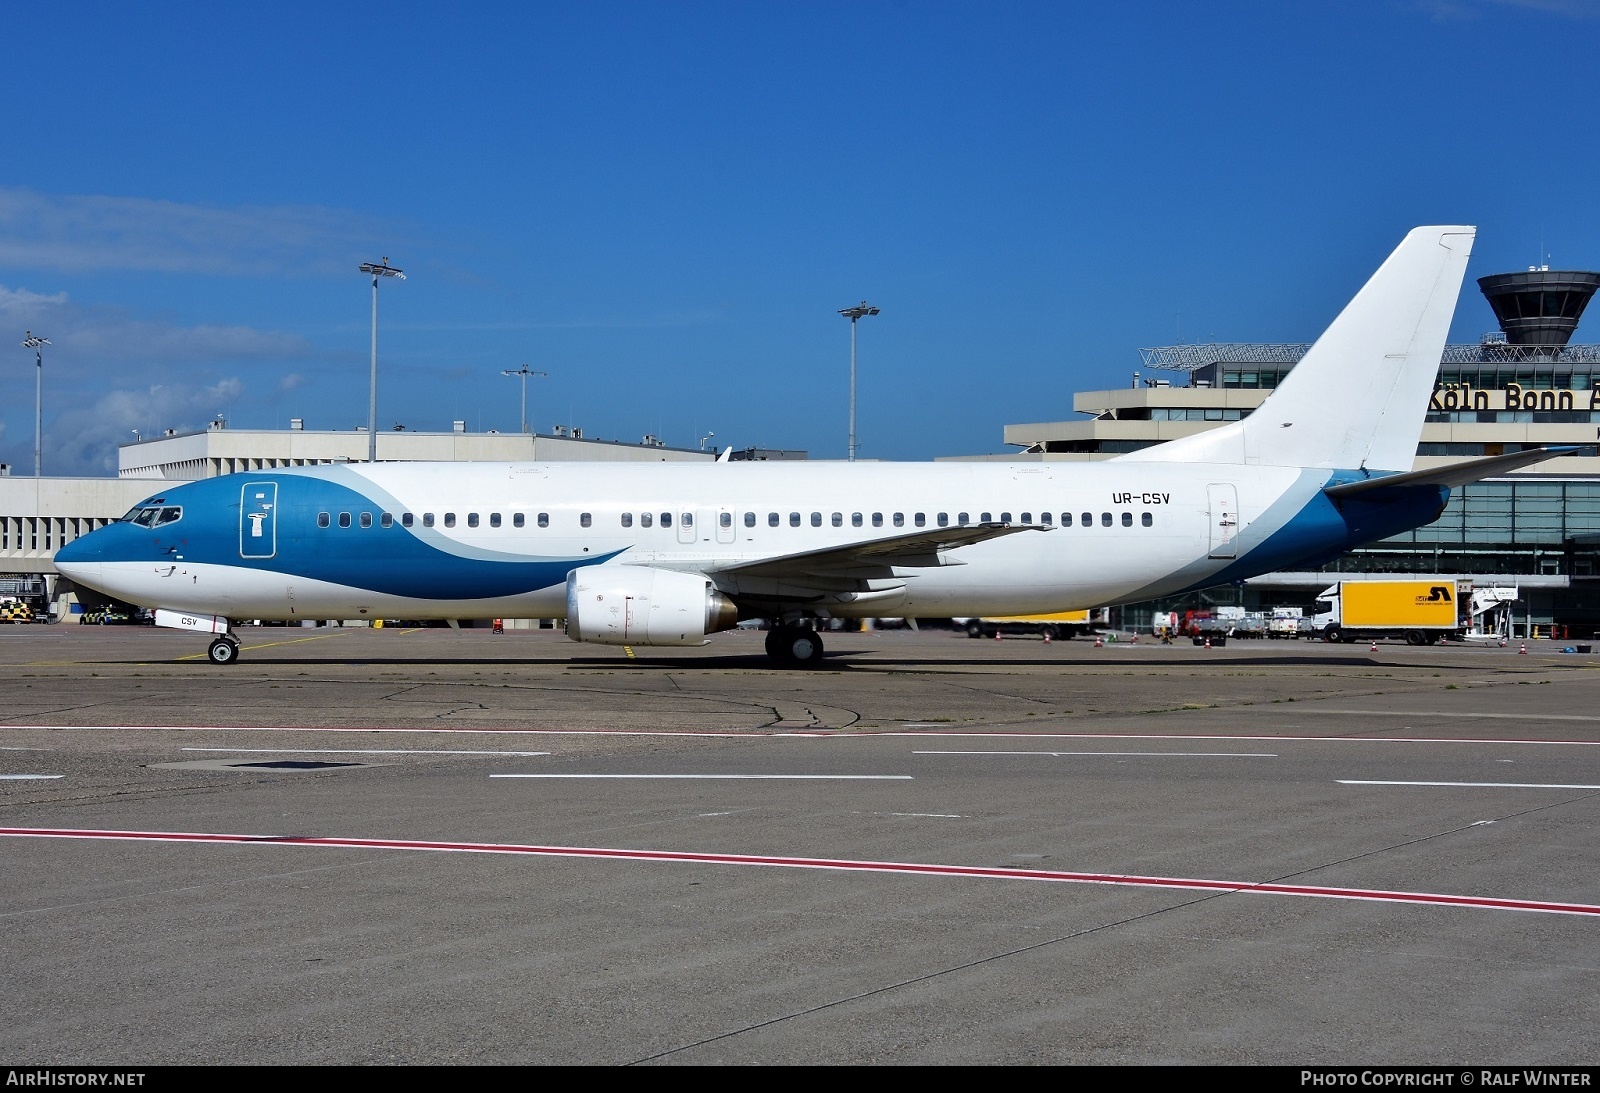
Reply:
x=225, y=650
x=794, y=646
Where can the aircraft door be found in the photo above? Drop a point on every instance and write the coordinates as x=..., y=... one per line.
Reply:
x=1224, y=504
x=258, y=523
x=726, y=532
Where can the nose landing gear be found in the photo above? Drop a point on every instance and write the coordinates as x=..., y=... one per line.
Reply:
x=225, y=650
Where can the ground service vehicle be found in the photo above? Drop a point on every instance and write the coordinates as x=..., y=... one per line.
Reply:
x=1060, y=624
x=1423, y=611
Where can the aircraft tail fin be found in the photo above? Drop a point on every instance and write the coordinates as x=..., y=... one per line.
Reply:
x=1358, y=397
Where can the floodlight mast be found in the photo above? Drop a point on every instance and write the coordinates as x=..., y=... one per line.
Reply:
x=33, y=343
x=854, y=313
x=524, y=372
x=382, y=269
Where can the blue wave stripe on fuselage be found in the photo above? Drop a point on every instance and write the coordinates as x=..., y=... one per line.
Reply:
x=393, y=561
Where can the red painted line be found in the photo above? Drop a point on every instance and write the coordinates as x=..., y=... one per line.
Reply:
x=845, y=864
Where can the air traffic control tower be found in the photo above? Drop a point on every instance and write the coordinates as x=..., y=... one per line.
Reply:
x=1541, y=306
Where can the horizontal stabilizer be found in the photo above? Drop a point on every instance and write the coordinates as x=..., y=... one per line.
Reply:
x=1456, y=474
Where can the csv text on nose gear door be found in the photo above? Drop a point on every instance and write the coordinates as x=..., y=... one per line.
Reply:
x=258, y=524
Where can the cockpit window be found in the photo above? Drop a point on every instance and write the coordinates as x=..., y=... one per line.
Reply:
x=153, y=516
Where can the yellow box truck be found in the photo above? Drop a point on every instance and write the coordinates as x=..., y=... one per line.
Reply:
x=1422, y=610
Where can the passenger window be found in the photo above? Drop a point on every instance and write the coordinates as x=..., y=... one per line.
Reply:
x=1066, y=519
x=645, y=519
x=322, y=519
x=407, y=519
x=816, y=519
x=449, y=519
x=666, y=519
x=1127, y=519
x=1088, y=519
x=855, y=519
x=1044, y=518
x=544, y=519
x=627, y=519
x=1105, y=519
x=494, y=519
x=899, y=519
x=387, y=519
x=838, y=519
x=584, y=519
x=986, y=518
x=686, y=520
x=877, y=519
x=772, y=520
x=518, y=520
x=472, y=519
x=749, y=519
x=921, y=519
x=961, y=518
x=725, y=519
x=794, y=519
x=944, y=519
x=1005, y=518
x=427, y=519
x=344, y=519
x=1027, y=518
x=366, y=519
x=1145, y=519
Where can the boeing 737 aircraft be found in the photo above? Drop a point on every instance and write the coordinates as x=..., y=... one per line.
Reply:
x=668, y=553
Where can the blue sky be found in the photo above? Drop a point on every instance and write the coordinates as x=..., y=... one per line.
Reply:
x=664, y=205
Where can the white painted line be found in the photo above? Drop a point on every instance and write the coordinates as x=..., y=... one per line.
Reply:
x=1144, y=754
x=25, y=749
x=28, y=777
x=1452, y=713
x=929, y=815
x=1469, y=785
x=362, y=751
x=733, y=777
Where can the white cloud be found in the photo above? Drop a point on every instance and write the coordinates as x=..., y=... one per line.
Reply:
x=96, y=232
x=290, y=382
x=84, y=441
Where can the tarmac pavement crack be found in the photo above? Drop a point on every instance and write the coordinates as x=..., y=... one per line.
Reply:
x=928, y=977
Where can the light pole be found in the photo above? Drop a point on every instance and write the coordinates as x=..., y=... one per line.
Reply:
x=33, y=343
x=383, y=269
x=524, y=372
x=854, y=313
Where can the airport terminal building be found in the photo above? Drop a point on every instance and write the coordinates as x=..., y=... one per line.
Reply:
x=1524, y=386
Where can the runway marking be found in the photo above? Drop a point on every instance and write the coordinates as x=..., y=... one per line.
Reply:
x=1481, y=716
x=1144, y=754
x=832, y=864
x=362, y=751
x=746, y=777
x=28, y=777
x=1467, y=785
x=271, y=644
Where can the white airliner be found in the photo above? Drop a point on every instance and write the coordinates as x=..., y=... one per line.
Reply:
x=668, y=553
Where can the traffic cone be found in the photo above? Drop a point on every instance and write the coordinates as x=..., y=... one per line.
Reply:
x=1099, y=643
x=997, y=635
x=1047, y=637
x=1135, y=638
x=1374, y=645
x=1208, y=643
x=1524, y=648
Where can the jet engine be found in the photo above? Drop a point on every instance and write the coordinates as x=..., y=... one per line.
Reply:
x=638, y=605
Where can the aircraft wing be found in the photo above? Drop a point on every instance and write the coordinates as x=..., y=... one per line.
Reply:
x=919, y=548
x=1456, y=474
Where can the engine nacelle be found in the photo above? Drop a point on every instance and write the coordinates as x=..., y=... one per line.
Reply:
x=638, y=605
